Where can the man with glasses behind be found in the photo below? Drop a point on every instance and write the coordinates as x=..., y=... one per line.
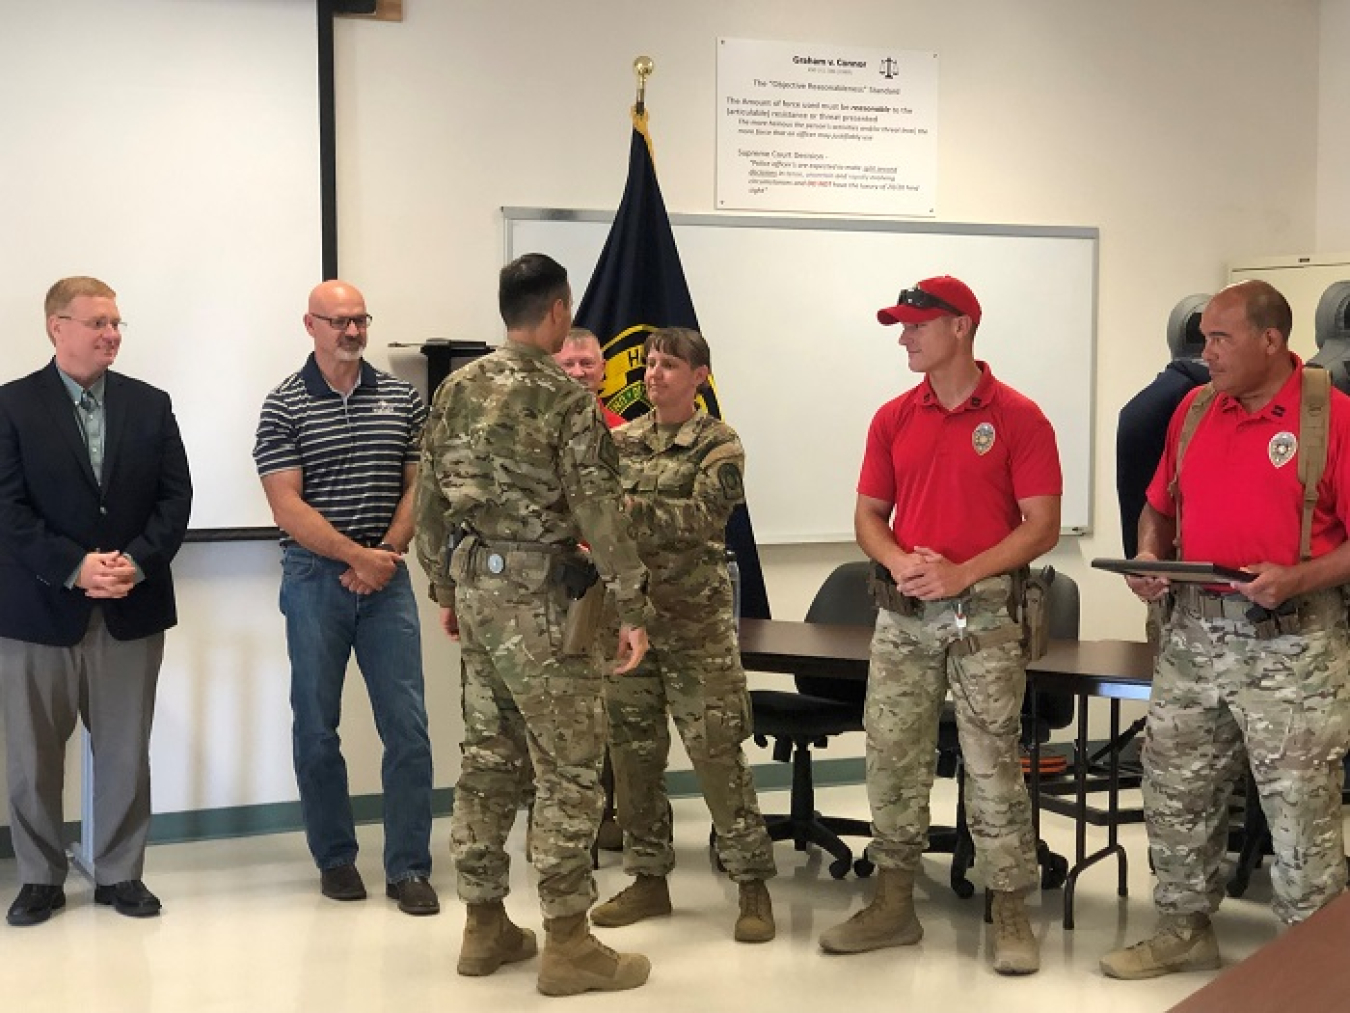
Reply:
x=959, y=492
x=336, y=450
x=94, y=503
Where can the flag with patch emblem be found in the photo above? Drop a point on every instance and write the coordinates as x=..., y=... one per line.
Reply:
x=637, y=287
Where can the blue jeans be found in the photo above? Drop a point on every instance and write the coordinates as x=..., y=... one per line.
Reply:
x=324, y=623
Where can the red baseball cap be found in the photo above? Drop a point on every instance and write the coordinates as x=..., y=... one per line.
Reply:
x=930, y=299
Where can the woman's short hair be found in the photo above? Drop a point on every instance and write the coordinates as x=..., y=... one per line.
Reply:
x=682, y=342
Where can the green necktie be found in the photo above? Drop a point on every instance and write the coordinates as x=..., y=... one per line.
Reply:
x=91, y=422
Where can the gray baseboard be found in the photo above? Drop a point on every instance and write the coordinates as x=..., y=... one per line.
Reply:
x=284, y=817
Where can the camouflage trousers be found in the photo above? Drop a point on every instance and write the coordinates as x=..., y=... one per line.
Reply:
x=526, y=704
x=1287, y=700
x=700, y=685
x=911, y=673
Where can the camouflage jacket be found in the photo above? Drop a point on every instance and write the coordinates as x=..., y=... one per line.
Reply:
x=515, y=450
x=681, y=489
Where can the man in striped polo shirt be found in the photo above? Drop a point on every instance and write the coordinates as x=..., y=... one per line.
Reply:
x=336, y=450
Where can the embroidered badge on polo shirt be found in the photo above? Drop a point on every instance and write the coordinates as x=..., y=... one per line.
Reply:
x=982, y=439
x=1282, y=448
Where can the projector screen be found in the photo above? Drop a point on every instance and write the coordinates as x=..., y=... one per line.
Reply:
x=171, y=149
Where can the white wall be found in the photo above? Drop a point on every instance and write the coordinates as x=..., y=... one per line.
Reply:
x=1145, y=119
x=1188, y=132
x=1333, y=148
x=1136, y=118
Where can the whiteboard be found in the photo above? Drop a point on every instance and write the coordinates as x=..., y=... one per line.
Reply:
x=788, y=306
x=171, y=149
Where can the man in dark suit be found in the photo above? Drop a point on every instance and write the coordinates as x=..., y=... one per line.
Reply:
x=94, y=503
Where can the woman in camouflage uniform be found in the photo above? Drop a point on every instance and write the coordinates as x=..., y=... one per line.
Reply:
x=681, y=471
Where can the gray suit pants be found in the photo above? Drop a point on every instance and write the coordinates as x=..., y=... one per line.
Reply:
x=110, y=685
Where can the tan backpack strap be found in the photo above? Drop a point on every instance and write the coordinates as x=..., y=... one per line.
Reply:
x=1188, y=426
x=1313, y=424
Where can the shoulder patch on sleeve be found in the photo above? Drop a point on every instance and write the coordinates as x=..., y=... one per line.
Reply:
x=729, y=477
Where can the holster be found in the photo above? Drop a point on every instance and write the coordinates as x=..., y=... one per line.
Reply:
x=586, y=599
x=583, y=621
x=1031, y=596
x=1158, y=615
x=1276, y=622
x=453, y=538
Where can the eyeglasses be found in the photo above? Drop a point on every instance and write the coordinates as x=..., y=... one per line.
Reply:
x=922, y=300
x=342, y=323
x=100, y=324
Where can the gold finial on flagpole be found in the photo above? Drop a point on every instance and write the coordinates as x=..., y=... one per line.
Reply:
x=643, y=68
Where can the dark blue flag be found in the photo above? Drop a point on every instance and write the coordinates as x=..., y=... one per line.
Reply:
x=638, y=286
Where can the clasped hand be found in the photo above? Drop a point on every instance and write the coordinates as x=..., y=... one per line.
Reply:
x=107, y=575
x=373, y=569
x=928, y=575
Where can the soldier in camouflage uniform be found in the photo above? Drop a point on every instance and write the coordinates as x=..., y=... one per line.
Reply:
x=517, y=466
x=682, y=471
x=1262, y=662
x=960, y=487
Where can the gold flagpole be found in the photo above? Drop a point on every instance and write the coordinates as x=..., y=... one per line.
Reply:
x=642, y=68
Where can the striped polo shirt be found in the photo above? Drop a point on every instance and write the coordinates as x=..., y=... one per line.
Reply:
x=352, y=450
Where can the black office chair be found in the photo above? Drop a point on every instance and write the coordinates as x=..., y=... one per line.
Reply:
x=1053, y=711
x=820, y=709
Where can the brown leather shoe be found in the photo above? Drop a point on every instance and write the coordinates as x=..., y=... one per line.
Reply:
x=415, y=896
x=342, y=882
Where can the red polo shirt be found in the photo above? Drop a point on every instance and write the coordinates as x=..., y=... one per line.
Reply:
x=956, y=476
x=1242, y=500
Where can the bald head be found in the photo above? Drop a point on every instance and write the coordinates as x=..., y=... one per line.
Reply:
x=326, y=294
x=1246, y=329
x=1265, y=308
x=339, y=324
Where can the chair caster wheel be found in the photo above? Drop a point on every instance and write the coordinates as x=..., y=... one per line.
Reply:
x=1055, y=872
x=964, y=889
x=839, y=868
x=863, y=867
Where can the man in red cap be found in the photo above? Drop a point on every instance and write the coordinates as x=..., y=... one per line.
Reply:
x=959, y=492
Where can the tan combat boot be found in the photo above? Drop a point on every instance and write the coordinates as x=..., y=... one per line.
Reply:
x=1016, y=950
x=755, y=924
x=888, y=921
x=574, y=961
x=491, y=940
x=645, y=897
x=1179, y=943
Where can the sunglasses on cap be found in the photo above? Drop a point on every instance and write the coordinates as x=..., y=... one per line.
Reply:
x=922, y=300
